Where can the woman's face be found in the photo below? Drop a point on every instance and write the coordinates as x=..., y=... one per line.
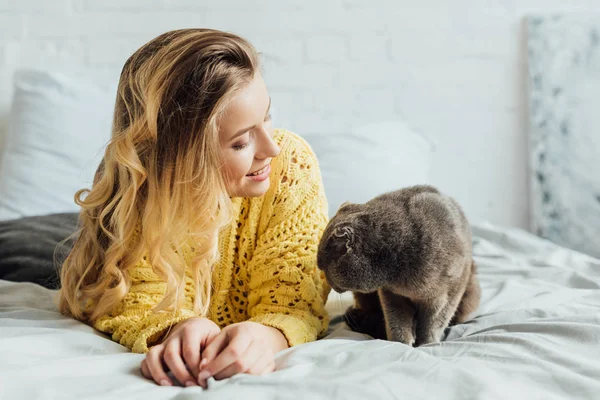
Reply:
x=246, y=137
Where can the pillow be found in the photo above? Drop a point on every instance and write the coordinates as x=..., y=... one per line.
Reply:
x=58, y=127
x=371, y=160
x=29, y=248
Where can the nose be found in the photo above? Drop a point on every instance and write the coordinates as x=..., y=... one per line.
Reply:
x=266, y=145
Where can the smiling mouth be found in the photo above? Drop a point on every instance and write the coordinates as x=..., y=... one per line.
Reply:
x=260, y=171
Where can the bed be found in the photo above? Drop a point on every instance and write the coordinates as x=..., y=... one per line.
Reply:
x=536, y=335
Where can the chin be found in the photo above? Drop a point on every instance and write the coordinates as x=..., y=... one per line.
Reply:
x=337, y=288
x=366, y=290
x=253, y=189
x=352, y=286
x=262, y=188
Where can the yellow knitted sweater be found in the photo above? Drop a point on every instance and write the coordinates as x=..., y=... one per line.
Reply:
x=267, y=270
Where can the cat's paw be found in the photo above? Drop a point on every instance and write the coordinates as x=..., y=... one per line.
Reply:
x=430, y=337
x=370, y=323
x=402, y=336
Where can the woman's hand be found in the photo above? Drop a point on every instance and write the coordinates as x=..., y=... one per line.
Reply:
x=180, y=352
x=246, y=347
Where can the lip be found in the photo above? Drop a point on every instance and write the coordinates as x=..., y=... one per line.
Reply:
x=266, y=171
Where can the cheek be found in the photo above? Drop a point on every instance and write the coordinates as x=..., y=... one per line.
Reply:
x=237, y=166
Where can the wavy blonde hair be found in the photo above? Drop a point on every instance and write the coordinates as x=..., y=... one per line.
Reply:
x=160, y=184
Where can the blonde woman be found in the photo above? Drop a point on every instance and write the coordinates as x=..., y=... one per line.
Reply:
x=198, y=239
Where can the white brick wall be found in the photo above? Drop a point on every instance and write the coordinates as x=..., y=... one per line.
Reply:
x=454, y=70
x=11, y=26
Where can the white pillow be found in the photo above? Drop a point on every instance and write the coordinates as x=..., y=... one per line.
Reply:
x=373, y=159
x=60, y=124
x=357, y=166
x=58, y=127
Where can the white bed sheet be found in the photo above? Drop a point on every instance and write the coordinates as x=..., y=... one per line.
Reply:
x=536, y=335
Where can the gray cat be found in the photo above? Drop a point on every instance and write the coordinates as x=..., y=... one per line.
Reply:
x=407, y=257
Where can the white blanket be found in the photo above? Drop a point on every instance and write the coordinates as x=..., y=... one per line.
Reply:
x=536, y=335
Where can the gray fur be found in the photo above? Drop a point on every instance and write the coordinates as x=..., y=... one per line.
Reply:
x=407, y=257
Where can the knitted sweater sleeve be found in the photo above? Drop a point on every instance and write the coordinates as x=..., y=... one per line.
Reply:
x=133, y=323
x=287, y=291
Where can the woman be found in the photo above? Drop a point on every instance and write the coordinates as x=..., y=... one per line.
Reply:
x=198, y=238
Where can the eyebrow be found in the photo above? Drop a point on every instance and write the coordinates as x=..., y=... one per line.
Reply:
x=242, y=131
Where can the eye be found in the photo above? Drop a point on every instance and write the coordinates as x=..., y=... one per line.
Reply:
x=268, y=117
x=242, y=145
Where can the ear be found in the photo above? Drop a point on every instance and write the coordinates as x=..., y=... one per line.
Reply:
x=348, y=207
x=346, y=232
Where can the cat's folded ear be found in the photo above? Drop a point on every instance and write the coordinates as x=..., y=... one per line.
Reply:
x=346, y=232
x=347, y=207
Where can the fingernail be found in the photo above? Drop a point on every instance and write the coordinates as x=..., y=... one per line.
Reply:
x=203, y=362
x=190, y=383
x=165, y=382
x=203, y=375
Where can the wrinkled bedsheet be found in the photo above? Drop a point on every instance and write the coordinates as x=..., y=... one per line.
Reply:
x=536, y=335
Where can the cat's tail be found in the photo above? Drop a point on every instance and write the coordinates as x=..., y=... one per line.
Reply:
x=470, y=300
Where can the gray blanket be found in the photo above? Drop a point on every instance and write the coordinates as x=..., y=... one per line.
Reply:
x=31, y=249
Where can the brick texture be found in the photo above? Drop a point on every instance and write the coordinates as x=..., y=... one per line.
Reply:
x=454, y=71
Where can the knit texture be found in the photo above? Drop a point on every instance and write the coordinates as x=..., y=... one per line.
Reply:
x=267, y=271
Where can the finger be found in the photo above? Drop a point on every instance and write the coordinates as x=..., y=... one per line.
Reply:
x=265, y=365
x=210, y=337
x=234, y=350
x=145, y=371
x=243, y=363
x=190, y=350
x=155, y=366
x=172, y=357
x=214, y=347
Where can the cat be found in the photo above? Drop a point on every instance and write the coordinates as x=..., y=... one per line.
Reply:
x=407, y=257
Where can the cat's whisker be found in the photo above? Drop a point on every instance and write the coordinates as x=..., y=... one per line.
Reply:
x=351, y=318
x=339, y=298
x=341, y=304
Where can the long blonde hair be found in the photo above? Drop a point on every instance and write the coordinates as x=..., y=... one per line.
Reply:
x=160, y=184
